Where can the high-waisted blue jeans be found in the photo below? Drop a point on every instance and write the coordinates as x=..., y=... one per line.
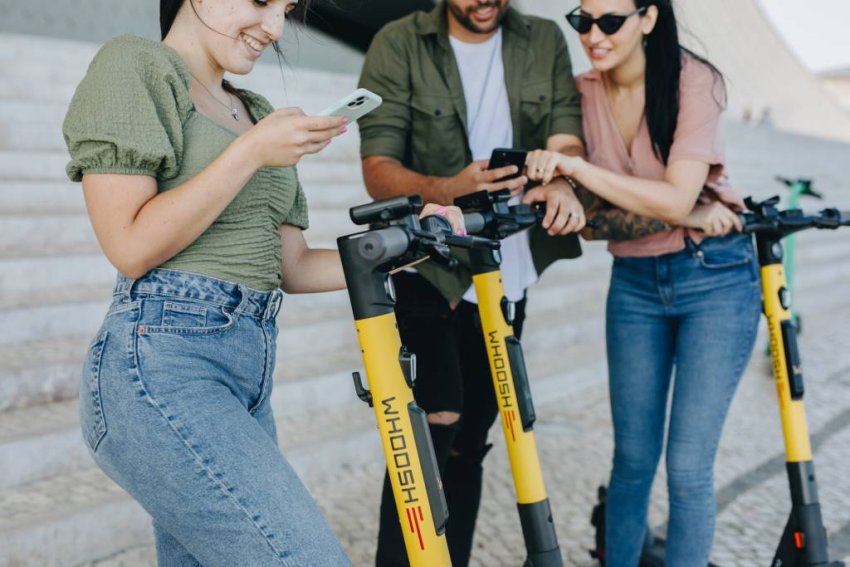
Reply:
x=695, y=312
x=174, y=406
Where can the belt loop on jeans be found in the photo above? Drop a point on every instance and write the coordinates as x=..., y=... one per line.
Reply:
x=273, y=305
x=127, y=293
x=244, y=299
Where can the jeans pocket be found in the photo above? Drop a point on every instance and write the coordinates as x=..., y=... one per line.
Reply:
x=189, y=318
x=92, y=418
x=721, y=254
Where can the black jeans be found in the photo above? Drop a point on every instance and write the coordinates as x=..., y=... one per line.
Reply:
x=453, y=375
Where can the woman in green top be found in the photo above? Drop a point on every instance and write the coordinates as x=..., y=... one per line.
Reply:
x=191, y=189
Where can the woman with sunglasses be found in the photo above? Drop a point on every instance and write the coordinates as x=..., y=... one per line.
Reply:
x=191, y=189
x=684, y=286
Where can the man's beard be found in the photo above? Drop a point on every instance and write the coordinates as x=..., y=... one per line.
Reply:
x=465, y=18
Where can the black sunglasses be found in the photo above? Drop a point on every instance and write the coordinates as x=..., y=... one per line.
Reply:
x=609, y=24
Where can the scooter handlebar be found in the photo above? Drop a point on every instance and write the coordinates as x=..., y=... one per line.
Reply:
x=437, y=225
x=385, y=210
x=793, y=220
x=474, y=222
x=383, y=244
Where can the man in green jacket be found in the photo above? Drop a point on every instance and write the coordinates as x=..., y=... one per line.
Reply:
x=468, y=77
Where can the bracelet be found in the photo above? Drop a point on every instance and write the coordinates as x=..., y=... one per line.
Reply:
x=570, y=181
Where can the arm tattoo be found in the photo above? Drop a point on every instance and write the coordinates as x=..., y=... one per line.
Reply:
x=614, y=223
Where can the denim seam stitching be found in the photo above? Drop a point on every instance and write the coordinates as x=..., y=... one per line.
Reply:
x=236, y=310
x=97, y=432
x=145, y=292
x=266, y=372
x=168, y=330
x=197, y=458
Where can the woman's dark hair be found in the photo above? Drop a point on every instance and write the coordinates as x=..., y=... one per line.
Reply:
x=663, y=68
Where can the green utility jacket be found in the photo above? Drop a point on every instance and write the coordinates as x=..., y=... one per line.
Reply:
x=422, y=122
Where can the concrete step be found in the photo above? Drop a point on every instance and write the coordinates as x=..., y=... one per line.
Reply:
x=23, y=88
x=37, y=112
x=58, y=197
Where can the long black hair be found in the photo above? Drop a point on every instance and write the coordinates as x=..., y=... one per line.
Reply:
x=663, y=69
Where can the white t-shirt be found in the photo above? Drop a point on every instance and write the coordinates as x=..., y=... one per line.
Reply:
x=488, y=112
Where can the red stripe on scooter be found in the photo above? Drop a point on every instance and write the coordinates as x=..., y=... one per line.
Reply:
x=410, y=520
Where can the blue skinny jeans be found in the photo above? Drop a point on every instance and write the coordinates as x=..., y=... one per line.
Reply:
x=692, y=314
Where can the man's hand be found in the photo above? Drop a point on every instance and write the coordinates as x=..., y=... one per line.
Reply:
x=476, y=177
x=564, y=213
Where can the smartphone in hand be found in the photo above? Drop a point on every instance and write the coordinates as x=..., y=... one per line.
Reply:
x=503, y=157
x=354, y=105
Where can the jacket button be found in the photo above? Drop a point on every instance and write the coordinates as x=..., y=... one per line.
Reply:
x=437, y=112
x=542, y=98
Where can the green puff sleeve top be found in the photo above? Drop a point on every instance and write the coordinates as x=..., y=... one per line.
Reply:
x=133, y=115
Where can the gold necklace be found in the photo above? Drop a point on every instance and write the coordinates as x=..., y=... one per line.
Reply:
x=234, y=112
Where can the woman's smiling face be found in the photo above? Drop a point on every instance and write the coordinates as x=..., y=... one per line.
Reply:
x=608, y=51
x=236, y=32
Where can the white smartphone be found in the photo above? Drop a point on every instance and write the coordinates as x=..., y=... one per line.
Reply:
x=354, y=105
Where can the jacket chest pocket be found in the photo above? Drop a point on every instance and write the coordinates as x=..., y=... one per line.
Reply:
x=535, y=109
x=438, y=142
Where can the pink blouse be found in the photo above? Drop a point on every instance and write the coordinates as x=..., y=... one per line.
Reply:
x=698, y=136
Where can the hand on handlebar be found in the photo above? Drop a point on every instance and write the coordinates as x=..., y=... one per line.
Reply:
x=564, y=213
x=451, y=213
x=714, y=219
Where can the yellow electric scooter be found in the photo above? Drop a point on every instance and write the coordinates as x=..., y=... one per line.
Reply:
x=396, y=238
x=489, y=215
x=804, y=540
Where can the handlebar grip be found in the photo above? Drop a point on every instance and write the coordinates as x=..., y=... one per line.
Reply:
x=473, y=242
x=474, y=222
x=383, y=244
x=385, y=210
